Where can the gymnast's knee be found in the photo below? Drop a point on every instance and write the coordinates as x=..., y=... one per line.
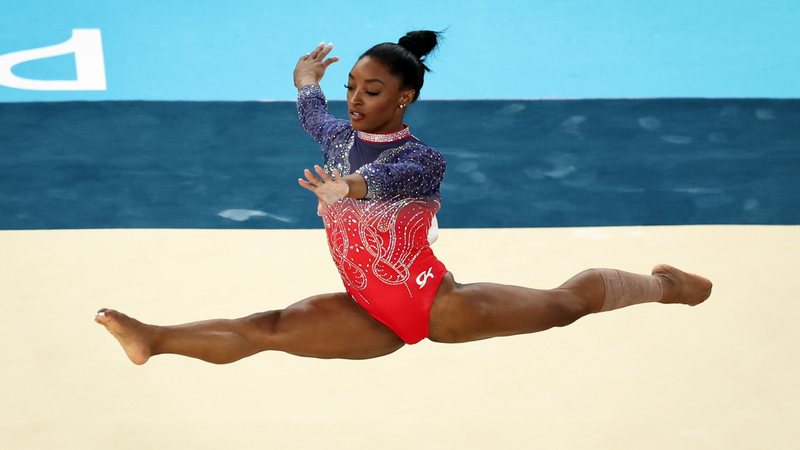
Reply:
x=262, y=329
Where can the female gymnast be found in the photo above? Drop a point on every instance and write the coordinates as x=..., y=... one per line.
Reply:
x=378, y=194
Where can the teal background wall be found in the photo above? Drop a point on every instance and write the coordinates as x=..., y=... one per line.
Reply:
x=246, y=49
x=510, y=163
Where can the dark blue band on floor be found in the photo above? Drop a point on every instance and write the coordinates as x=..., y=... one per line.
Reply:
x=510, y=163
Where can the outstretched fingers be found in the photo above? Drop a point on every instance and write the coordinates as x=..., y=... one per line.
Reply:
x=329, y=188
x=330, y=61
x=311, y=67
x=322, y=174
x=319, y=52
x=313, y=54
x=311, y=182
x=322, y=50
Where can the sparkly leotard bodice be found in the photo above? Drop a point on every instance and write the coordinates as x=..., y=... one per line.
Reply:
x=380, y=244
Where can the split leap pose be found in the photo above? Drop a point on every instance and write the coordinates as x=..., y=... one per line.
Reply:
x=378, y=194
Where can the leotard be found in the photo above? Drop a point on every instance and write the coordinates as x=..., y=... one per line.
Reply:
x=380, y=244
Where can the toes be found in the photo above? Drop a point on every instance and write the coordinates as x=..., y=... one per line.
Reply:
x=104, y=316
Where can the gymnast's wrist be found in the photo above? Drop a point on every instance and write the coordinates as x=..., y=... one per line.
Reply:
x=356, y=186
x=305, y=80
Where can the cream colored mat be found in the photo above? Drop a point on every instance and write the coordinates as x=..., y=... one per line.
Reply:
x=720, y=376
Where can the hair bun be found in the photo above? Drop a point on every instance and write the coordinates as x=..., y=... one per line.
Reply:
x=420, y=43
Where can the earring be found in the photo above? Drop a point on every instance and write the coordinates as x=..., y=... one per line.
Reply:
x=402, y=106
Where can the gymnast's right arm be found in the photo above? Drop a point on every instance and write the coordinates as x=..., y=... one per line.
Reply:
x=311, y=104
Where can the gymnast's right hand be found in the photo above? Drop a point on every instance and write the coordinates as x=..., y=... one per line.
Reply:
x=311, y=67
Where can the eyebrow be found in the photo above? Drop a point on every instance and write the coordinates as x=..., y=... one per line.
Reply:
x=371, y=80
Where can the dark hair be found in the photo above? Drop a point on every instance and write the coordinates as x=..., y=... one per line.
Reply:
x=406, y=58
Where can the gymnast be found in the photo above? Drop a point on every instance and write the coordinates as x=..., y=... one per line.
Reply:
x=377, y=194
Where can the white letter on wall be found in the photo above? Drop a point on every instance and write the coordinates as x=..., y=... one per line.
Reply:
x=90, y=68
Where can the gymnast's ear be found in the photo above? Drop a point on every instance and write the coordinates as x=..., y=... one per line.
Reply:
x=406, y=96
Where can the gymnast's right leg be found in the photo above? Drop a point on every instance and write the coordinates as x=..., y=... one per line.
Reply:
x=470, y=312
x=323, y=326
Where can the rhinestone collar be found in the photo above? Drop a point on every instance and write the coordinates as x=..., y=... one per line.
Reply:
x=383, y=138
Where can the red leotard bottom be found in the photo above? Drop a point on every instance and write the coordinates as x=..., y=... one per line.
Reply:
x=405, y=308
x=383, y=255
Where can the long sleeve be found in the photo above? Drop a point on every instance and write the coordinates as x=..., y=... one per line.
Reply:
x=312, y=110
x=417, y=172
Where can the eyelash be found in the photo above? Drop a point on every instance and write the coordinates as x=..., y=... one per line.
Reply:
x=348, y=87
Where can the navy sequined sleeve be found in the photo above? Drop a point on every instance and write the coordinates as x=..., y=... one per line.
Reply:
x=417, y=172
x=312, y=110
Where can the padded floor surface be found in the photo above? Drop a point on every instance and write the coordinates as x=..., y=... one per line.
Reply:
x=718, y=376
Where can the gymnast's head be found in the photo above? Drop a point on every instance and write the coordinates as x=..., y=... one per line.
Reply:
x=386, y=79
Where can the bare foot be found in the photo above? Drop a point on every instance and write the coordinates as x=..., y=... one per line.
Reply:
x=131, y=334
x=681, y=287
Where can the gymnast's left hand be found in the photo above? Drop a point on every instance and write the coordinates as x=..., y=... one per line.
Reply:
x=328, y=188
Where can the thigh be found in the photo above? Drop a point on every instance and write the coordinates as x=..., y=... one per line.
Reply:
x=470, y=312
x=325, y=326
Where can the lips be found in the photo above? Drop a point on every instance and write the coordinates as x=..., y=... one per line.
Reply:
x=355, y=115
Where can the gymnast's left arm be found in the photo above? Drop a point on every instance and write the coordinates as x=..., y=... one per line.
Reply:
x=418, y=172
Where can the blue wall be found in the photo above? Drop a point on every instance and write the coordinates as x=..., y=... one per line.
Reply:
x=246, y=49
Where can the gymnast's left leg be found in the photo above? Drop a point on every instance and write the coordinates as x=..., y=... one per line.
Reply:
x=470, y=312
x=322, y=326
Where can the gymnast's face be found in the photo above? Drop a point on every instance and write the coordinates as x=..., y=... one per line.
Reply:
x=374, y=96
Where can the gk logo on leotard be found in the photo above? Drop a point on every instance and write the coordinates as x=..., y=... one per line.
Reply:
x=422, y=278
